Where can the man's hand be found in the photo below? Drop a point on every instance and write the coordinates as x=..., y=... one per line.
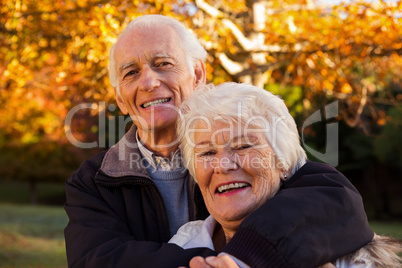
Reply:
x=221, y=261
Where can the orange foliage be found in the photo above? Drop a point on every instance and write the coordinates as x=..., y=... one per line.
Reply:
x=53, y=54
x=342, y=51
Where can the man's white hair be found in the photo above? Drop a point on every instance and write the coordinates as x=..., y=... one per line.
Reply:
x=247, y=105
x=192, y=47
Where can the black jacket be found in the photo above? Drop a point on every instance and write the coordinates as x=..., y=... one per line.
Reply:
x=317, y=216
x=117, y=218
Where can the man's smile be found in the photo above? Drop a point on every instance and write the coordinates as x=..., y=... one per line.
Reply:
x=155, y=102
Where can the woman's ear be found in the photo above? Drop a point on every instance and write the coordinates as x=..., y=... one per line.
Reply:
x=120, y=102
x=200, y=73
x=284, y=176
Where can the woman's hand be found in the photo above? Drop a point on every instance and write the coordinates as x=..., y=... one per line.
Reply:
x=327, y=265
x=221, y=261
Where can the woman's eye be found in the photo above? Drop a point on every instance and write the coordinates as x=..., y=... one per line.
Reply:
x=208, y=153
x=243, y=146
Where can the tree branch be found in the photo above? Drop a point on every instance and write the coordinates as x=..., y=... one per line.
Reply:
x=232, y=67
x=213, y=12
x=298, y=7
x=244, y=42
x=353, y=122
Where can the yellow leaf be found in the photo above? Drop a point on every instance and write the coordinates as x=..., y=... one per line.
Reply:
x=381, y=121
x=346, y=88
x=327, y=85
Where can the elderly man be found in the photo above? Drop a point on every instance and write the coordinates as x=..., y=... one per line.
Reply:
x=124, y=204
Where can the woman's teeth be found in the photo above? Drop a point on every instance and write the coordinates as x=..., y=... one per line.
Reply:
x=231, y=186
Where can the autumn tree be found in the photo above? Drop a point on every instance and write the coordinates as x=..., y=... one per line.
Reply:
x=348, y=51
x=54, y=54
x=53, y=57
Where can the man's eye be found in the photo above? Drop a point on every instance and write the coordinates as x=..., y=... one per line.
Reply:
x=164, y=63
x=132, y=72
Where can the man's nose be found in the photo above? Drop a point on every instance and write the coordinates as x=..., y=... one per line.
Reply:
x=224, y=163
x=148, y=79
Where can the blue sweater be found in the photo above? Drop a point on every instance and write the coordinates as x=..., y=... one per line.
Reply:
x=172, y=185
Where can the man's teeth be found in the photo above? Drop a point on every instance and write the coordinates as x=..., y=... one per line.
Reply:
x=231, y=186
x=155, y=102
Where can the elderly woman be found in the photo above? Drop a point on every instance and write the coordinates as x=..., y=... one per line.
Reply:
x=242, y=147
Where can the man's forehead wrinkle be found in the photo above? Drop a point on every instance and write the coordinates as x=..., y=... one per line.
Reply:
x=148, y=56
x=153, y=55
x=162, y=55
x=129, y=63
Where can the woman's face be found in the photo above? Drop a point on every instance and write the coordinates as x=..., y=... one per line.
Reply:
x=235, y=168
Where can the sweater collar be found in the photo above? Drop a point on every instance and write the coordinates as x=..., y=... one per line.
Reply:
x=159, y=162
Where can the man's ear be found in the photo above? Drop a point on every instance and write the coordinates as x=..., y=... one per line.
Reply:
x=120, y=102
x=200, y=73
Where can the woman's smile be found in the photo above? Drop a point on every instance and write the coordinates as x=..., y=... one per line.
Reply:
x=231, y=179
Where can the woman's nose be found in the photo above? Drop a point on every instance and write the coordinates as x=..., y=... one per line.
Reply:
x=224, y=163
x=148, y=79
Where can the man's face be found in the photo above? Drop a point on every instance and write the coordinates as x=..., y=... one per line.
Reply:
x=153, y=76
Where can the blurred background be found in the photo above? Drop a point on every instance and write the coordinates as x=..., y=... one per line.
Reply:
x=57, y=107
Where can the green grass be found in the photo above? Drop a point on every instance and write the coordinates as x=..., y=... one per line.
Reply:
x=32, y=236
x=393, y=228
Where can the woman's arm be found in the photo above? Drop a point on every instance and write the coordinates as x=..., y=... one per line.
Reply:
x=317, y=217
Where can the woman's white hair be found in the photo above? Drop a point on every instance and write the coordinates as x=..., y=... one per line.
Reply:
x=249, y=105
x=192, y=47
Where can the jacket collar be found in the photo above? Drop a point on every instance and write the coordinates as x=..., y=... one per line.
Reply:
x=124, y=159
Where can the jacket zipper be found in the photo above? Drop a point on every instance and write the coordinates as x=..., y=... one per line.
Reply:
x=145, y=181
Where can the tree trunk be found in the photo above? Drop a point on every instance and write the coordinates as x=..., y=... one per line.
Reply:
x=251, y=65
x=32, y=191
x=383, y=209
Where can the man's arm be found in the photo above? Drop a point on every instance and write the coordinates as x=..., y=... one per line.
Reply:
x=317, y=217
x=97, y=234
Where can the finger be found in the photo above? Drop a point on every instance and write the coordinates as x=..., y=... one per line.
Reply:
x=211, y=261
x=222, y=261
x=198, y=262
x=327, y=265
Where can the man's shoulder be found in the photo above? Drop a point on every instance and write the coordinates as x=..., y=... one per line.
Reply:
x=90, y=166
x=95, y=161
